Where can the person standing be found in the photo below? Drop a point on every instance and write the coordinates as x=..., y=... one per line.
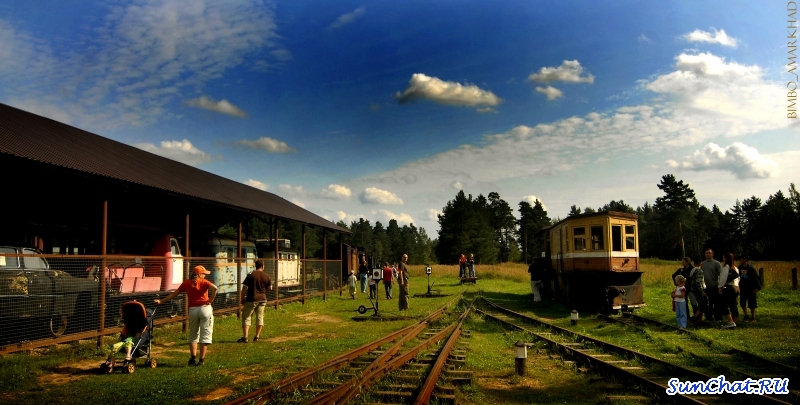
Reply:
x=402, y=281
x=697, y=287
x=729, y=290
x=387, y=280
x=679, y=301
x=535, y=269
x=201, y=315
x=351, y=284
x=749, y=285
x=462, y=266
x=686, y=270
x=363, y=275
x=471, y=265
x=711, y=269
x=254, y=299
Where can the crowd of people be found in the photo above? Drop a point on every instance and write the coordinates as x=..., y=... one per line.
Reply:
x=715, y=290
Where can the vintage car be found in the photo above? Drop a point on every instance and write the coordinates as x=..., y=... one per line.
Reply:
x=30, y=289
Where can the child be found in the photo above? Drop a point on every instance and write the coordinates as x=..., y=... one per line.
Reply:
x=697, y=287
x=373, y=288
x=351, y=284
x=126, y=341
x=679, y=301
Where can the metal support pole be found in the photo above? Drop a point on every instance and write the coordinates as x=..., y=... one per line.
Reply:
x=521, y=355
x=324, y=266
x=186, y=255
x=303, y=263
x=341, y=266
x=275, y=281
x=239, y=272
x=103, y=275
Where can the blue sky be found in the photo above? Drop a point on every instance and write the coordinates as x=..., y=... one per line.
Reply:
x=386, y=109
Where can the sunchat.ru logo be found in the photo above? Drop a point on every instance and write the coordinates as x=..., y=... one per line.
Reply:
x=721, y=386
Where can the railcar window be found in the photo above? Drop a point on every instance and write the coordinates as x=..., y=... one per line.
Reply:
x=578, y=231
x=597, y=238
x=616, y=238
x=630, y=243
x=580, y=244
x=629, y=229
x=231, y=255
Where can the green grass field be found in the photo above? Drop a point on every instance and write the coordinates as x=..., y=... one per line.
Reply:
x=298, y=336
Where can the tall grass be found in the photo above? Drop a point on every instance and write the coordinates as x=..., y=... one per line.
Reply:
x=658, y=273
x=504, y=271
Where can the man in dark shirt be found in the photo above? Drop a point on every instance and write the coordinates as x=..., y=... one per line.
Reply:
x=363, y=275
x=402, y=281
x=254, y=299
x=749, y=285
x=711, y=269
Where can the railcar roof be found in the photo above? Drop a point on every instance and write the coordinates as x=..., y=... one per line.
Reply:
x=50, y=142
x=596, y=214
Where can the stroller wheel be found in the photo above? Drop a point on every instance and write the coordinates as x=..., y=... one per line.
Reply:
x=106, y=368
x=130, y=368
x=151, y=363
x=362, y=309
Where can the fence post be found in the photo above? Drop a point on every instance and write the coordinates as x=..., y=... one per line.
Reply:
x=761, y=277
x=794, y=278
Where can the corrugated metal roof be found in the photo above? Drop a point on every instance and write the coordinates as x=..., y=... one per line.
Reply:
x=30, y=136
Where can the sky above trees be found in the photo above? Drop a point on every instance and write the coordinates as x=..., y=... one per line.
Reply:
x=385, y=110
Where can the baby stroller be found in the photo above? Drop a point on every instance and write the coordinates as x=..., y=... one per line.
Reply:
x=138, y=328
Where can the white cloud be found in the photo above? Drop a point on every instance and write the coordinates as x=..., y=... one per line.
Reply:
x=718, y=37
x=551, y=92
x=257, y=184
x=743, y=161
x=348, y=18
x=431, y=214
x=532, y=200
x=644, y=39
x=347, y=218
x=450, y=93
x=385, y=216
x=222, y=106
x=289, y=189
x=457, y=185
x=372, y=195
x=133, y=65
x=182, y=151
x=268, y=144
x=569, y=71
x=298, y=203
x=335, y=192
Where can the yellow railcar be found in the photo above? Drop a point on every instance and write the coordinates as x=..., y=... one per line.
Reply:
x=595, y=258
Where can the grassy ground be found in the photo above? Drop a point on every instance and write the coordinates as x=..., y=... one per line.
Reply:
x=298, y=336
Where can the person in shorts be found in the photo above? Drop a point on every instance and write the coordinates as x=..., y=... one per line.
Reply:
x=201, y=315
x=749, y=286
x=254, y=299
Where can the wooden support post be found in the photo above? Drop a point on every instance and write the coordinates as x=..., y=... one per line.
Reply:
x=186, y=254
x=303, y=263
x=275, y=281
x=341, y=266
x=761, y=277
x=103, y=275
x=794, y=278
x=324, y=266
x=239, y=272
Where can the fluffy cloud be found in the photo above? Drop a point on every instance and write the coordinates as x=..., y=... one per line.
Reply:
x=718, y=37
x=531, y=199
x=450, y=93
x=551, y=92
x=257, y=184
x=741, y=160
x=570, y=71
x=298, y=203
x=457, y=185
x=132, y=66
x=431, y=214
x=347, y=218
x=372, y=195
x=335, y=192
x=385, y=216
x=268, y=144
x=345, y=19
x=643, y=39
x=222, y=106
x=182, y=151
x=289, y=189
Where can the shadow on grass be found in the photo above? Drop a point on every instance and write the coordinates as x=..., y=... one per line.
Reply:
x=571, y=393
x=524, y=303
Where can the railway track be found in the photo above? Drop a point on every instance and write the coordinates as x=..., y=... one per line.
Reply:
x=730, y=361
x=648, y=373
x=409, y=366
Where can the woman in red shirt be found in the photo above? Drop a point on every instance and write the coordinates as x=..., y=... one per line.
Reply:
x=201, y=315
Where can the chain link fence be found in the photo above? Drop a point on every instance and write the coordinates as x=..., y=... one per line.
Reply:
x=49, y=299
